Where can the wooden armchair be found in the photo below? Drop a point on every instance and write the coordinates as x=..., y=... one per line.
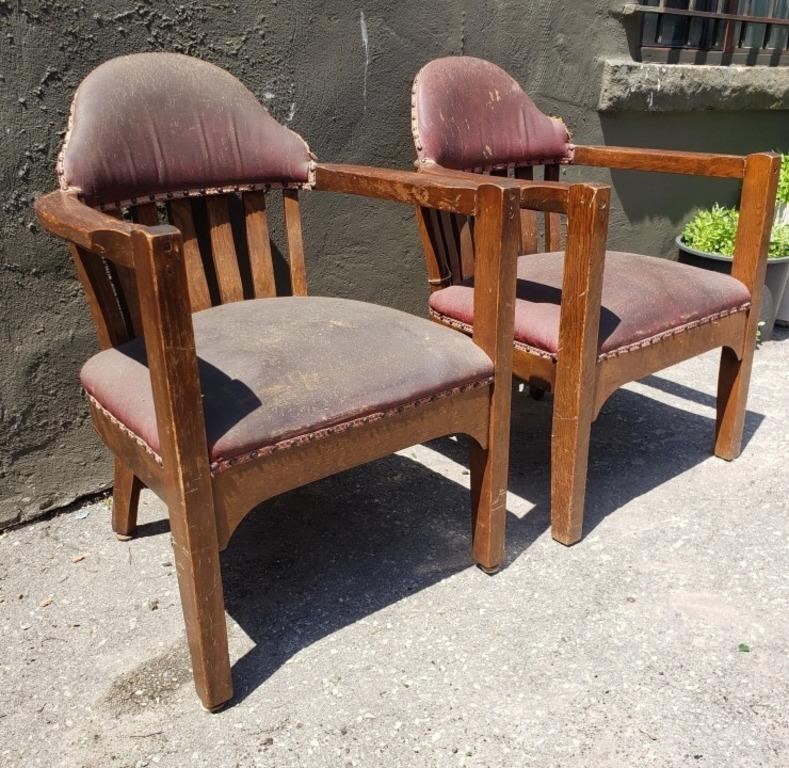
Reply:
x=211, y=391
x=587, y=320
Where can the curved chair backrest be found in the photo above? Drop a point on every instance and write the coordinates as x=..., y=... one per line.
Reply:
x=156, y=126
x=166, y=138
x=469, y=114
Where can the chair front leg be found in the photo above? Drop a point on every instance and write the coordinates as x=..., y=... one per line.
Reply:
x=757, y=204
x=576, y=366
x=202, y=601
x=488, y=474
x=125, y=500
x=573, y=413
x=733, y=379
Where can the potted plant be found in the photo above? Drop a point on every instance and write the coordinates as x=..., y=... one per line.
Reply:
x=708, y=241
x=782, y=216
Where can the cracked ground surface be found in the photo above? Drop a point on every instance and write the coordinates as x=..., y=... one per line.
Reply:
x=361, y=635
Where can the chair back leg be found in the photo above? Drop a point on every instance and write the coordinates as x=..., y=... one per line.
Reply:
x=125, y=499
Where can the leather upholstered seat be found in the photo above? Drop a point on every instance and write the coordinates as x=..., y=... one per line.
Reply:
x=644, y=300
x=278, y=371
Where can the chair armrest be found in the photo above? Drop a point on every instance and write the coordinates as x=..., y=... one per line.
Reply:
x=661, y=161
x=455, y=194
x=62, y=214
x=536, y=195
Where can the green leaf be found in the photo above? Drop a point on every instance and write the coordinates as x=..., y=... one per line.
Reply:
x=744, y=648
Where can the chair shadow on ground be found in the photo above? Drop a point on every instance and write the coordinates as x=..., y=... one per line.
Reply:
x=310, y=562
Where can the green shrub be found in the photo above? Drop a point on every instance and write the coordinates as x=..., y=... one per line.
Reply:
x=714, y=230
x=783, y=181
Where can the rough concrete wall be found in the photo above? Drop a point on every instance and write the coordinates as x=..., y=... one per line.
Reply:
x=348, y=93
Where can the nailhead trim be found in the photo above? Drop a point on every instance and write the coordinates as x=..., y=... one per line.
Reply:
x=641, y=344
x=223, y=464
x=123, y=428
x=568, y=159
x=162, y=197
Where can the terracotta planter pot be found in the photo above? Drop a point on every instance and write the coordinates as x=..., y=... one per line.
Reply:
x=774, y=283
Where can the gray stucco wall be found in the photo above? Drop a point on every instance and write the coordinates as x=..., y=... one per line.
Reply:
x=307, y=61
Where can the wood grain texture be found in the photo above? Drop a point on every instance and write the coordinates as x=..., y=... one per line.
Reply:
x=125, y=499
x=757, y=206
x=108, y=317
x=172, y=362
x=497, y=233
x=204, y=509
x=223, y=249
x=259, y=245
x=438, y=273
x=452, y=191
x=573, y=406
x=661, y=161
x=528, y=218
x=243, y=486
x=182, y=217
x=298, y=270
x=613, y=372
x=553, y=230
x=62, y=214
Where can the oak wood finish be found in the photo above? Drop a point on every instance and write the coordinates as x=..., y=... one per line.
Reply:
x=661, y=161
x=757, y=205
x=172, y=279
x=575, y=371
x=125, y=497
x=259, y=244
x=581, y=379
x=223, y=248
x=553, y=230
x=298, y=272
x=181, y=216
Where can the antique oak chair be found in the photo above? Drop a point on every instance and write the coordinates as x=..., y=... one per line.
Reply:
x=587, y=320
x=209, y=389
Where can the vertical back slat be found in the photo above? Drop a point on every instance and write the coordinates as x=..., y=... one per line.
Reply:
x=147, y=214
x=107, y=313
x=223, y=249
x=466, y=244
x=298, y=272
x=553, y=230
x=126, y=280
x=182, y=217
x=259, y=245
x=528, y=218
x=437, y=270
x=450, y=235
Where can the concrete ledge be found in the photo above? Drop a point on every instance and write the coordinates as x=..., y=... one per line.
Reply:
x=632, y=86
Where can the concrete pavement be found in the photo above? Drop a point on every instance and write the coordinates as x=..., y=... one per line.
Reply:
x=361, y=635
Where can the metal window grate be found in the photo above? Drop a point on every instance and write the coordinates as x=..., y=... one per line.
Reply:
x=714, y=31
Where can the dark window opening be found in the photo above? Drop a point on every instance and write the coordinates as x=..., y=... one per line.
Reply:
x=714, y=31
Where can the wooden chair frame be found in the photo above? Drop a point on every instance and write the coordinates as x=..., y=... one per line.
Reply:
x=582, y=380
x=153, y=266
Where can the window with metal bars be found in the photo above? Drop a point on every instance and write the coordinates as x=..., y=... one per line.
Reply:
x=714, y=31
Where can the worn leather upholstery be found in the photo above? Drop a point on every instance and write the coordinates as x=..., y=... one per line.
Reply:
x=155, y=125
x=468, y=114
x=275, y=371
x=644, y=298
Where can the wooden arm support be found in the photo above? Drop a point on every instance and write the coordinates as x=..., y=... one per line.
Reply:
x=548, y=196
x=661, y=161
x=64, y=215
x=442, y=191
